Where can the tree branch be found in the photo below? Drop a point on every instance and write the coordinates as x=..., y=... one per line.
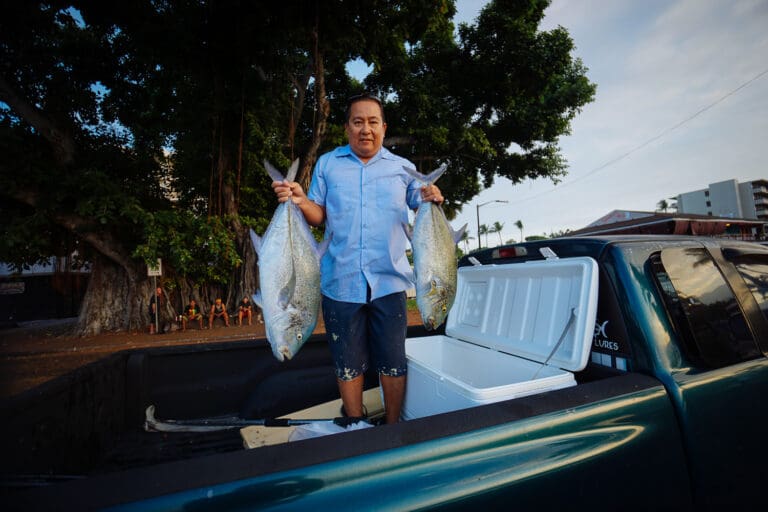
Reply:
x=62, y=141
x=101, y=241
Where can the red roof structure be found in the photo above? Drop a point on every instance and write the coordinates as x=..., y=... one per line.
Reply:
x=658, y=223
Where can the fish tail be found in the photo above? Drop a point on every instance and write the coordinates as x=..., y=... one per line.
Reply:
x=292, y=171
x=426, y=179
x=278, y=176
x=458, y=234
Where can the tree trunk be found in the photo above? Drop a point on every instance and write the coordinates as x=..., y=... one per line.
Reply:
x=324, y=110
x=114, y=302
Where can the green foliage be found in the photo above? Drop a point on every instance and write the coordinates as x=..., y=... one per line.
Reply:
x=202, y=249
x=559, y=233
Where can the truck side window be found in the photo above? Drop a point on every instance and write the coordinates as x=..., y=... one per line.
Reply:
x=702, y=307
x=753, y=269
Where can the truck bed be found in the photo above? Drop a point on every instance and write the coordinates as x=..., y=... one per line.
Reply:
x=90, y=423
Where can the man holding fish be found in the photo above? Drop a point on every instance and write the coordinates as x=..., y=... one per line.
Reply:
x=362, y=193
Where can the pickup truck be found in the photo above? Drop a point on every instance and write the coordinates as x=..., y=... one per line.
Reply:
x=667, y=413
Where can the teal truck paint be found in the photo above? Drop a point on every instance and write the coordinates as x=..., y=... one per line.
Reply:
x=667, y=415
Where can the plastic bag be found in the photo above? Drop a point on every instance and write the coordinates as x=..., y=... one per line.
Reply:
x=323, y=428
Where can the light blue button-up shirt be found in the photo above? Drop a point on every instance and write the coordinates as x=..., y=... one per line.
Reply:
x=366, y=208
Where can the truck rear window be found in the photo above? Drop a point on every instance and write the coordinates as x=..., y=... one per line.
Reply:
x=702, y=307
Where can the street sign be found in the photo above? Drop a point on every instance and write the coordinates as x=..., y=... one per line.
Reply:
x=157, y=270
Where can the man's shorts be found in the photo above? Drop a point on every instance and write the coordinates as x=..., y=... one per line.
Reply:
x=374, y=331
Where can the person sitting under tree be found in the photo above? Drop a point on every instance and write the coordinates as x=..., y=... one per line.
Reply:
x=192, y=312
x=218, y=310
x=245, y=310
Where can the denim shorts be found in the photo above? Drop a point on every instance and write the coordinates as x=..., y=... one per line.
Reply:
x=374, y=331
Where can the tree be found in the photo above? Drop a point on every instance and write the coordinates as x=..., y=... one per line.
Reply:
x=662, y=206
x=483, y=231
x=490, y=231
x=465, y=238
x=137, y=131
x=562, y=232
x=519, y=225
x=497, y=228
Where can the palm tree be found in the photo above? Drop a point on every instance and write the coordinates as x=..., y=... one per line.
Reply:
x=497, y=227
x=483, y=231
x=519, y=225
x=466, y=238
x=662, y=206
x=491, y=230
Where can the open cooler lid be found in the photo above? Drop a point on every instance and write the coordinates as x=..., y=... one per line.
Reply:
x=526, y=309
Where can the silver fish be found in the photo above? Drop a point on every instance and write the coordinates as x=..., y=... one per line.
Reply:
x=434, y=257
x=289, y=275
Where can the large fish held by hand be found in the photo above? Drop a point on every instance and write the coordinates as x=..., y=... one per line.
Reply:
x=434, y=257
x=289, y=275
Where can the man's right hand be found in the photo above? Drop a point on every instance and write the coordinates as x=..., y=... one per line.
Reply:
x=286, y=190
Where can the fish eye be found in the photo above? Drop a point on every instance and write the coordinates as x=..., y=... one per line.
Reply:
x=299, y=336
x=444, y=308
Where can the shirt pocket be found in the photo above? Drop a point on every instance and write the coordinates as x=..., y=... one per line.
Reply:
x=338, y=199
x=390, y=193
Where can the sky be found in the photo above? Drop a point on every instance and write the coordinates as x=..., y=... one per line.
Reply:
x=681, y=102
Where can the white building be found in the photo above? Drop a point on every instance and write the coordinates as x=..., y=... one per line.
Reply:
x=729, y=199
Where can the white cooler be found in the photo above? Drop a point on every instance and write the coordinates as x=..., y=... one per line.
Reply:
x=514, y=330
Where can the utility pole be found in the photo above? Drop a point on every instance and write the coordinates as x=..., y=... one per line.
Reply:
x=478, y=218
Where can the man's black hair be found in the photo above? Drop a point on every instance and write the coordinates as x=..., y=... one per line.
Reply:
x=361, y=97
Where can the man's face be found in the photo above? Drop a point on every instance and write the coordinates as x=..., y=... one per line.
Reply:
x=365, y=129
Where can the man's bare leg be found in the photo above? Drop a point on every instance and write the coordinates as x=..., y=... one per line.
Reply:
x=351, y=392
x=394, y=392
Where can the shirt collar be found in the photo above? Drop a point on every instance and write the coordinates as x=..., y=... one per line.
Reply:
x=384, y=153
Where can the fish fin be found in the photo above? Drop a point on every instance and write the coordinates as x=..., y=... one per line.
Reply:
x=408, y=231
x=286, y=293
x=458, y=234
x=273, y=172
x=256, y=241
x=292, y=171
x=257, y=299
x=427, y=179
